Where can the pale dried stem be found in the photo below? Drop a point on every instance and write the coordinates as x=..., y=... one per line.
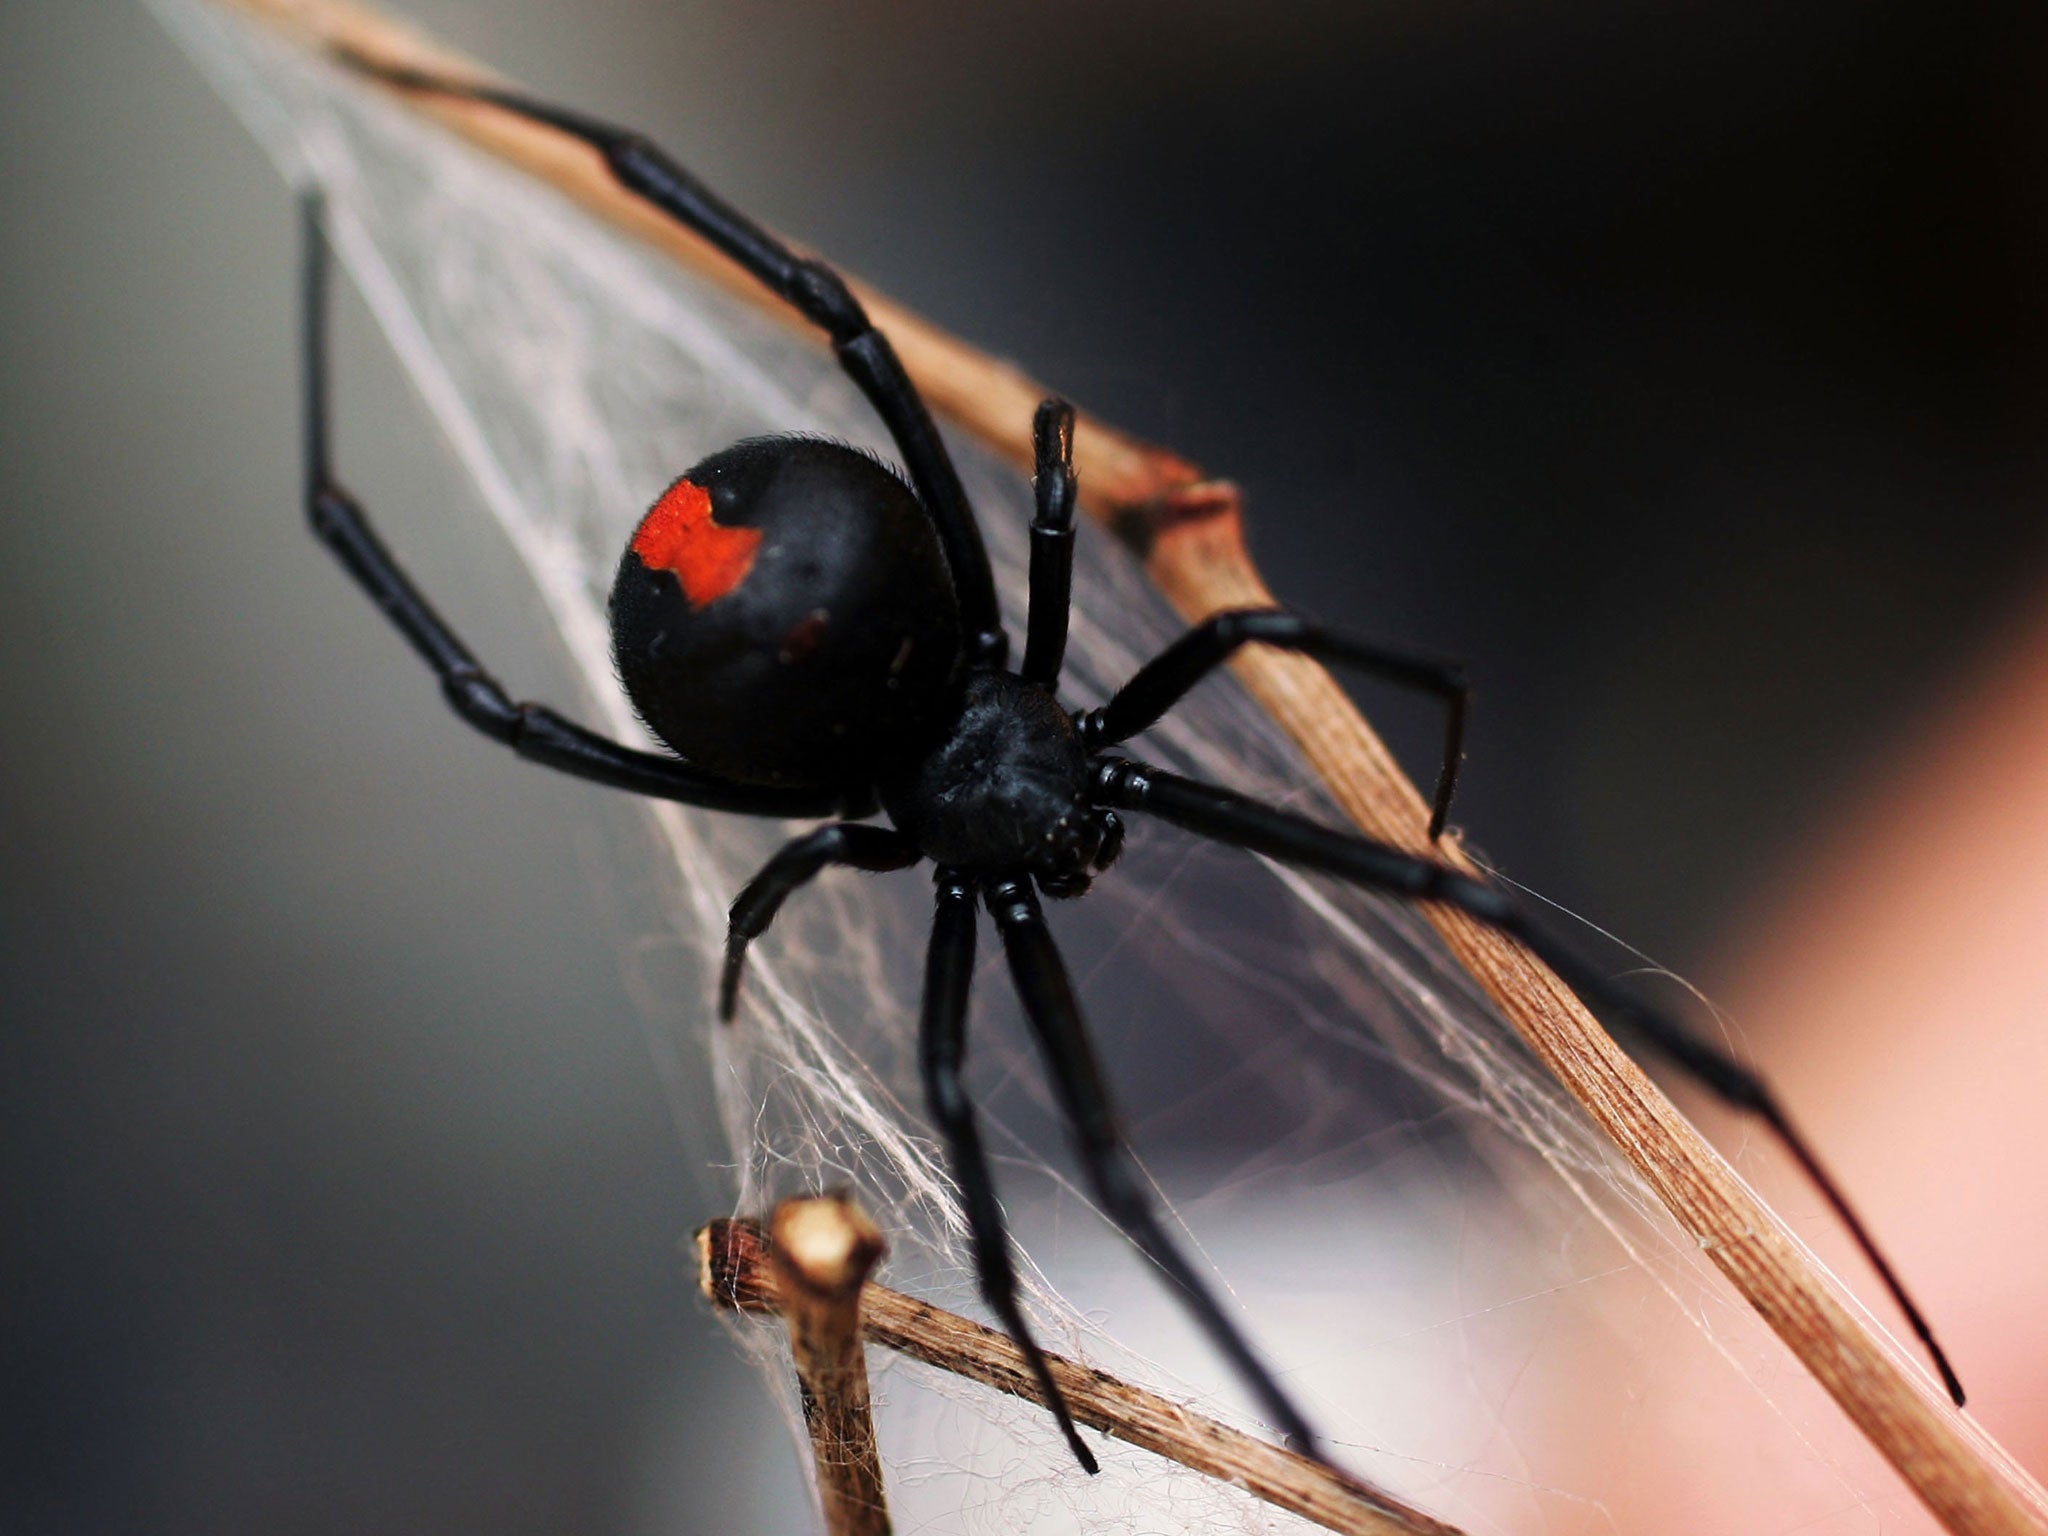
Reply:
x=822, y=1252
x=1189, y=528
x=739, y=1267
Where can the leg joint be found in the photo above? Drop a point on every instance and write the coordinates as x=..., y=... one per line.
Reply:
x=826, y=301
x=477, y=697
x=332, y=511
x=1234, y=627
x=1118, y=780
x=1011, y=903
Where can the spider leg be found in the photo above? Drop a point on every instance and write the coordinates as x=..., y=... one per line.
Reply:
x=1055, y=1018
x=1165, y=680
x=942, y=1052
x=875, y=849
x=534, y=731
x=809, y=286
x=1227, y=817
x=1052, y=543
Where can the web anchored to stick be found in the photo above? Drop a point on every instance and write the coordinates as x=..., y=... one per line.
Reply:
x=810, y=1265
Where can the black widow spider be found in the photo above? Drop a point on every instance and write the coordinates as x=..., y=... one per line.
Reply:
x=812, y=636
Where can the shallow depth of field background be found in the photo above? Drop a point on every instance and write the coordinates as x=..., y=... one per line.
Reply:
x=1685, y=372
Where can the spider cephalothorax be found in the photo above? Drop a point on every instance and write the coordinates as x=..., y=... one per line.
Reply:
x=1004, y=789
x=815, y=636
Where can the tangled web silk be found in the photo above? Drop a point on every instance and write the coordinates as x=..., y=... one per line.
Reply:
x=1462, y=1285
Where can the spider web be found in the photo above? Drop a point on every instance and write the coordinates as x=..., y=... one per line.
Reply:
x=1466, y=1289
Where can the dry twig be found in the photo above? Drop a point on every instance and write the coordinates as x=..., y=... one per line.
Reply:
x=1189, y=531
x=823, y=1250
x=739, y=1267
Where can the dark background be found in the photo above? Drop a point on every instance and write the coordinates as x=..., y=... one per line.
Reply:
x=1681, y=368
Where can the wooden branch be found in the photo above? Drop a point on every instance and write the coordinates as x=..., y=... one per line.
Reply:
x=738, y=1269
x=821, y=1255
x=1189, y=531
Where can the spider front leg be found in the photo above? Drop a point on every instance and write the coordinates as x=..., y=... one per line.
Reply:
x=875, y=849
x=1228, y=817
x=942, y=1053
x=1165, y=680
x=1054, y=1015
x=534, y=731
x=1052, y=543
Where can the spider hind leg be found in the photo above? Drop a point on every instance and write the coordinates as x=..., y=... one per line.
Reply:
x=1054, y=1015
x=534, y=731
x=942, y=1053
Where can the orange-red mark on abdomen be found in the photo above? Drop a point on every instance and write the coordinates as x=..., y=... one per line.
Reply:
x=706, y=557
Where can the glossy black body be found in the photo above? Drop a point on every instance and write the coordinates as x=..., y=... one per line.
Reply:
x=837, y=651
x=836, y=663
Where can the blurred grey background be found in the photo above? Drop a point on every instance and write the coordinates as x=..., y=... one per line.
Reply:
x=1680, y=368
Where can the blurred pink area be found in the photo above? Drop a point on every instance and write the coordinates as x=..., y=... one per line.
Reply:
x=1897, y=994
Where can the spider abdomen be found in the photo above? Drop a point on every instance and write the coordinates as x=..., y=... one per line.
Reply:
x=784, y=615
